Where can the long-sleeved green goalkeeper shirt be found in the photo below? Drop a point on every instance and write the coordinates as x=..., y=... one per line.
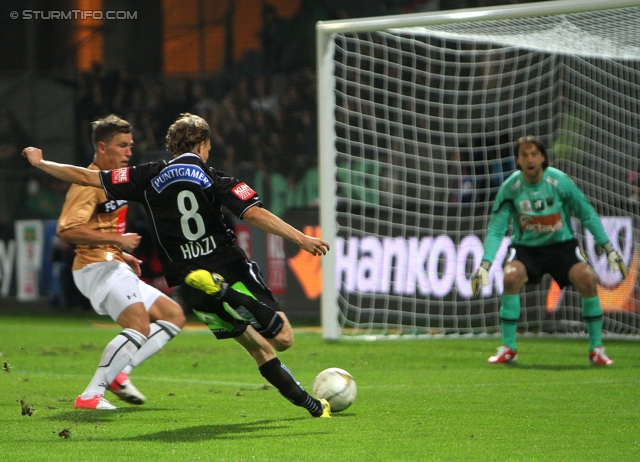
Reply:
x=540, y=213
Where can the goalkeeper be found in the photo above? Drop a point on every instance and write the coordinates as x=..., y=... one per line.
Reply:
x=539, y=200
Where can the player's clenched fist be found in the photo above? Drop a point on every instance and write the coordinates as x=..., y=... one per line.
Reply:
x=33, y=155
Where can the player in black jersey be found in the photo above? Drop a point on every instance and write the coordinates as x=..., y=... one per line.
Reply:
x=183, y=200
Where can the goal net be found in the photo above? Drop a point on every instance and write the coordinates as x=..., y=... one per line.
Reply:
x=418, y=116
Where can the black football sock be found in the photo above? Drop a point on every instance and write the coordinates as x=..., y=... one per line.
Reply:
x=270, y=322
x=279, y=376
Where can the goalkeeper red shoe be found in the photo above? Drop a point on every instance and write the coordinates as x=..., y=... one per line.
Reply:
x=124, y=389
x=504, y=355
x=599, y=357
x=96, y=402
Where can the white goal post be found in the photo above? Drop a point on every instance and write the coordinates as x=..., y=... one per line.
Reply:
x=417, y=118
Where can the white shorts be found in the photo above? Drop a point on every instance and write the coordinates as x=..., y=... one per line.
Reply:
x=112, y=286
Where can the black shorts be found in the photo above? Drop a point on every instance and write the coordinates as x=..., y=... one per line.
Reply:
x=242, y=275
x=556, y=259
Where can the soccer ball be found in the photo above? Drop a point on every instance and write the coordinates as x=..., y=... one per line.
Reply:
x=336, y=386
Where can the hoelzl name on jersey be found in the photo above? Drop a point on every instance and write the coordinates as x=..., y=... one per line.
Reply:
x=195, y=249
x=243, y=191
x=180, y=172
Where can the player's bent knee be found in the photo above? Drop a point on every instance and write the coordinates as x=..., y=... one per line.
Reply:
x=584, y=279
x=588, y=285
x=168, y=310
x=135, y=317
x=513, y=282
x=178, y=318
x=284, y=339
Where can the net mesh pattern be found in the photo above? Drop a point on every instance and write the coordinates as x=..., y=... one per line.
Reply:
x=425, y=123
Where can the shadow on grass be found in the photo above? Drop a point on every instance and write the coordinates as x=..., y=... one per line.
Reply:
x=209, y=432
x=90, y=416
x=191, y=434
x=549, y=367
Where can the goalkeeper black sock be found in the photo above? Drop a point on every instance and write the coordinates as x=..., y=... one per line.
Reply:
x=279, y=376
x=269, y=321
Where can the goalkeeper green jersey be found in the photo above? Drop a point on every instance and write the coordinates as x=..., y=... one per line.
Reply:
x=540, y=213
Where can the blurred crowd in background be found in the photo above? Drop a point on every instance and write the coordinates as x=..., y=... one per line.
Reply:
x=262, y=119
x=261, y=110
x=261, y=125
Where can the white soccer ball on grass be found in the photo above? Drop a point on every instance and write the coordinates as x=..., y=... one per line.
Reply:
x=337, y=386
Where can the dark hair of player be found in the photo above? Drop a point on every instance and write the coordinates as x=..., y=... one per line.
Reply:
x=185, y=134
x=530, y=139
x=106, y=128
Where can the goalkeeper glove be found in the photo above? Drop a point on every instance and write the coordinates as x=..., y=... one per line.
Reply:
x=615, y=260
x=480, y=278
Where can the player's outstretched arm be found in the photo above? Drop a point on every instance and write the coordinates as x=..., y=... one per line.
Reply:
x=83, y=235
x=64, y=172
x=267, y=221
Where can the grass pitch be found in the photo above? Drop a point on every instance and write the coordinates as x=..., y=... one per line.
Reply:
x=417, y=400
